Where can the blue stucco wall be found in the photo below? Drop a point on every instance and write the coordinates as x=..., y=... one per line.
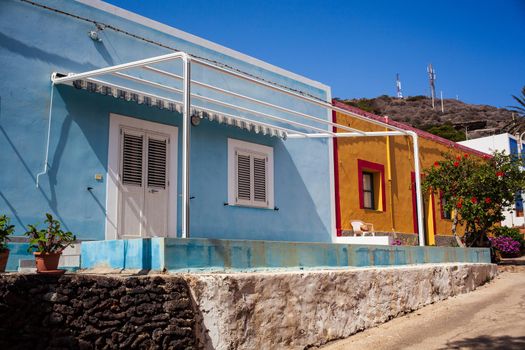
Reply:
x=36, y=42
x=179, y=255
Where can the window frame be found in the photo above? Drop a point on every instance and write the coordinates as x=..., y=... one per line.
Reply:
x=254, y=150
x=442, y=204
x=371, y=190
x=376, y=170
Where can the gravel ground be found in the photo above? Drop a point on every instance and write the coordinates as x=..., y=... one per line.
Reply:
x=491, y=317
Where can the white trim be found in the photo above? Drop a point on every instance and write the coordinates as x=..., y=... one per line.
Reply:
x=243, y=146
x=112, y=175
x=331, y=174
x=148, y=22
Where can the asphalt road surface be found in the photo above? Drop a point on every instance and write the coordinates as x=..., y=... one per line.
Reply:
x=491, y=317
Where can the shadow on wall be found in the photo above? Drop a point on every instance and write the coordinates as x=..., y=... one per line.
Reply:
x=300, y=205
x=51, y=201
x=486, y=342
x=299, y=216
x=27, y=51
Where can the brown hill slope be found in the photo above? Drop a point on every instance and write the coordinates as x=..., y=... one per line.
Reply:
x=479, y=120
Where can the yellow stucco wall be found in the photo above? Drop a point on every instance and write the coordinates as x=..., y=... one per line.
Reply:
x=398, y=215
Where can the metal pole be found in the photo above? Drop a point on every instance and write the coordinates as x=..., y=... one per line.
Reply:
x=225, y=104
x=350, y=134
x=264, y=103
x=419, y=197
x=442, y=106
x=186, y=115
x=293, y=93
x=107, y=70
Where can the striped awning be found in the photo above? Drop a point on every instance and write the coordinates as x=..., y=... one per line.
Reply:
x=160, y=102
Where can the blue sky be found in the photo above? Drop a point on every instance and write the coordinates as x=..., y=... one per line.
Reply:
x=357, y=47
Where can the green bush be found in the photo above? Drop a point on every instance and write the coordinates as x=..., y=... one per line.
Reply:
x=513, y=233
x=446, y=131
x=416, y=98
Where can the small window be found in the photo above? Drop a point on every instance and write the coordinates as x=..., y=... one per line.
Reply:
x=519, y=204
x=368, y=191
x=371, y=185
x=445, y=214
x=250, y=174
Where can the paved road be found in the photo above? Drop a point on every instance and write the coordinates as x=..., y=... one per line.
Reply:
x=492, y=317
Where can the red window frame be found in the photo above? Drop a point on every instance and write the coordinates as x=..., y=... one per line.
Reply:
x=366, y=166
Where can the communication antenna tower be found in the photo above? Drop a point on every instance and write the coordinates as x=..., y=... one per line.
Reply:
x=398, y=87
x=431, y=80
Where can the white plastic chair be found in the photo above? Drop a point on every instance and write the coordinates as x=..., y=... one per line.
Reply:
x=362, y=227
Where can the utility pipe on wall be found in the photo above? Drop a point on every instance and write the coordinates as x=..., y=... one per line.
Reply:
x=389, y=178
x=186, y=115
x=46, y=160
x=419, y=197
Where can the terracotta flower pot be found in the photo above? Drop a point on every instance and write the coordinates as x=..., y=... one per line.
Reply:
x=4, y=255
x=46, y=261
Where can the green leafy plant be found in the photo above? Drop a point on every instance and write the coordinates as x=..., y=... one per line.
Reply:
x=5, y=230
x=446, y=131
x=51, y=239
x=476, y=191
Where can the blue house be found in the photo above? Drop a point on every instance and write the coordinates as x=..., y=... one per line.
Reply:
x=104, y=153
x=161, y=150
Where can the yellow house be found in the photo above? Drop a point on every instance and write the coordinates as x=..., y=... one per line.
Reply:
x=374, y=180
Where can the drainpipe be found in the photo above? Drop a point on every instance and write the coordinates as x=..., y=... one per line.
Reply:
x=46, y=161
x=389, y=177
x=419, y=197
x=186, y=115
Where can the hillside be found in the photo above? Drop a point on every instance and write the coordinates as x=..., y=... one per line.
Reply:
x=479, y=120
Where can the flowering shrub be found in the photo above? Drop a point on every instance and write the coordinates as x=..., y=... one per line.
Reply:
x=514, y=233
x=505, y=244
x=397, y=242
x=476, y=191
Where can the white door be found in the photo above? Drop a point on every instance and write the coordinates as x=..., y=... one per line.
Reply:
x=143, y=197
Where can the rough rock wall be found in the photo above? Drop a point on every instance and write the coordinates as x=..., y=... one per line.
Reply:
x=264, y=310
x=296, y=310
x=87, y=312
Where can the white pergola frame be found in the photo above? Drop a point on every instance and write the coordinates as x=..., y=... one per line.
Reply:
x=187, y=96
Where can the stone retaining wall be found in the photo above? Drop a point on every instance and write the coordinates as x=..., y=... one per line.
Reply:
x=87, y=312
x=272, y=310
x=297, y=310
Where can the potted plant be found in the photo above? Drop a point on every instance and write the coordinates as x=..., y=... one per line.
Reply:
x=48, y=244
x=5, y=231
x=505, y=246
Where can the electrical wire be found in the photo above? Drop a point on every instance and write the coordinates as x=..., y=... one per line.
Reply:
x=101, y=25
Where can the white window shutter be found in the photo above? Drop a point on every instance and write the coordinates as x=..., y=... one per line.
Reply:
x=259, y=179
x=243, y=176
x=250, y=174
x=157, y=163
x=132, y=154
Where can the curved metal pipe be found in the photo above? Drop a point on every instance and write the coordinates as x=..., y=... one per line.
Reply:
x=46, y=161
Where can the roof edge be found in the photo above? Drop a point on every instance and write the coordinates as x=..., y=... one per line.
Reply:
x=423, y=134
x=167, y=29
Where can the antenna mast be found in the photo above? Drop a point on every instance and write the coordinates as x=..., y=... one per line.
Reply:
x=398, y=87
x=432, y=79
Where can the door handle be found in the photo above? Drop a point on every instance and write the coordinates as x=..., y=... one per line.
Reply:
x=153, y=191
